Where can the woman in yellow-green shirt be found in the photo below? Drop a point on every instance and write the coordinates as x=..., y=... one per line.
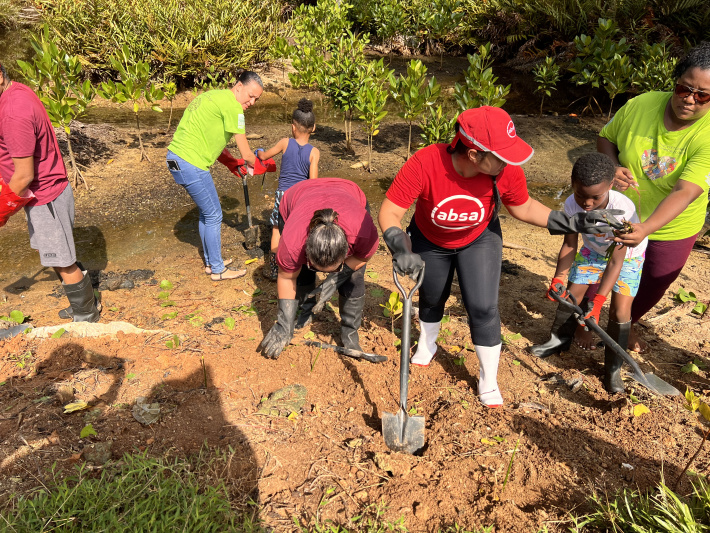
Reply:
x=207, y=125
x=661, y=144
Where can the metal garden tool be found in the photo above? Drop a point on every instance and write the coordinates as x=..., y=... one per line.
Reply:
x=251, y=234
x=355, y=354
x=404, y=433
x=648, y=379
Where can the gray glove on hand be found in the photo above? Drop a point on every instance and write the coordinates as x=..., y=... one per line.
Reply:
x=558, y=223
x=329, y=286
x=404, y=261
x=280, y=333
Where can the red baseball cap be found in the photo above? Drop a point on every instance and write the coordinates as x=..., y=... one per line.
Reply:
x=491, y=129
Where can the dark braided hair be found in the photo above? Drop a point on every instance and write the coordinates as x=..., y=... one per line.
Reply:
x=696, y=57
x=593, y=168
x=326, y=244
x=303, y=116
x=245, y=77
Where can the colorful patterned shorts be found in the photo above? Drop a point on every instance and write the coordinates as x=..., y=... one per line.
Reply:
x=589, y=266
x=274, y=218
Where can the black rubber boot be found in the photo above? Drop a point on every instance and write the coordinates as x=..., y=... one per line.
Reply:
x=350, y=320
x=613, y=361
x=82, y=300
x=67, y=311
x=306, y=305
x=561, y=335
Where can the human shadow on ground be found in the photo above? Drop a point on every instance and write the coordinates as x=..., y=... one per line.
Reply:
x=191, y=415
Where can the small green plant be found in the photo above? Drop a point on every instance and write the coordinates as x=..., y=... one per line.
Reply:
x=21, y=361
x=164, y=295
x=653, y=70
x=194, y=318
x=135, y=86
x=87, y=431
x=370, y=102
x=229, y=323
x=173, y=343
x=413, y=93
x=15, y=316
x=688, y=296
x=546, y=74
x=693, y=367
x=169, y=316
x=393, y=308
x=57, y=334
x=510, y=465
x=509, y=339
x=57, y=79
x=248, y=310
x=695, y=404
x=170, y=92
x=437, y=127
x=480, y=87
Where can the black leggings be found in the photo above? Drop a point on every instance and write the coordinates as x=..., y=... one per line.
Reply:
x=478, y=268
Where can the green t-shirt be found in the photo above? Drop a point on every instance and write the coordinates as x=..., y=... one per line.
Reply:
x=658, y=158
x=207, y=126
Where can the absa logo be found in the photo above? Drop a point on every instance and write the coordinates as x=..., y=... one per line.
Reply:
x=511, y=129
x=462, y=212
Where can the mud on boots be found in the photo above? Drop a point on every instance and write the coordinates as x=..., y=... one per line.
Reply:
x=612, y=361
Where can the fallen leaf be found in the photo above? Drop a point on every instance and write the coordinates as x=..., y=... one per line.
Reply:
x=250, y=261
x=640, y=409
x=489, y=442
x=75, y=406
x=150, y=441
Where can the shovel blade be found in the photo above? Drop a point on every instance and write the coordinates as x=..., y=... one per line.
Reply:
x=403, y=433
x=251, y=237
x=655, y=384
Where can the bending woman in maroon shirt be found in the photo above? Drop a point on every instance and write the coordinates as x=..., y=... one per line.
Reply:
x=325, y=226
x=459, y=189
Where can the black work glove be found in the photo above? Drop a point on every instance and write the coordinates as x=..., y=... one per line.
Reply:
x=559, y=223
x=404, y=261
x=280, y=333
x=329, y=286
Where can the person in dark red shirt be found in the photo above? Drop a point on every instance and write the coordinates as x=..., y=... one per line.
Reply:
x=459, y=189
x=325, y=226
x=33, y=176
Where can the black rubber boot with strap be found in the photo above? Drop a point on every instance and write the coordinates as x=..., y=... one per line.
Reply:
x=561, y=335
x=82, y=300
x=306, y=305
x=350, y=320
x=613, y=362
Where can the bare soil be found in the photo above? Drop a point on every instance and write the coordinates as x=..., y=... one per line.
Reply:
x=528, y=464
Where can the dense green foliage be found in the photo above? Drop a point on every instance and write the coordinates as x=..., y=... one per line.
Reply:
x=179, y=39
x=143, y=494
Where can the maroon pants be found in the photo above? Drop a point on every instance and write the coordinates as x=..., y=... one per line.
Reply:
x=663, y=263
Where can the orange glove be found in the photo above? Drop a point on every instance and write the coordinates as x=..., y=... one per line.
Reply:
x=10, y=203
x=595, y=307
x=557, y=286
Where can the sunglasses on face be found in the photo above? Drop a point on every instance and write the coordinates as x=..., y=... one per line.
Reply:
x=310, y=266
x=700, y=97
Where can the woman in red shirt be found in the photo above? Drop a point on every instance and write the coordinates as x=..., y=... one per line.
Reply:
x=459, y=189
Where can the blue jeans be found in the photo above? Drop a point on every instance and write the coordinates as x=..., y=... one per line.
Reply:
x=199, y=185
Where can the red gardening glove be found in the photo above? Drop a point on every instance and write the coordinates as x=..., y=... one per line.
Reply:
x=232, y=163
x=595, y=307
x=10, y=203
x=262, y=167
x=558, y=286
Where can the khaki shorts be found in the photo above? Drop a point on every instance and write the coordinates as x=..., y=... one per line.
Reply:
x=50, y=228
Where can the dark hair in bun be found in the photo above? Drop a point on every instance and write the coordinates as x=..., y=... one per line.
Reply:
x=303, y=116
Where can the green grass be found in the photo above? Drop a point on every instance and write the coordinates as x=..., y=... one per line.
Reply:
x=142, y=494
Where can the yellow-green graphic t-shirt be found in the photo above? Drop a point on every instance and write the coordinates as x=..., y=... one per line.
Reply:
x=658, y=158
x=206, y=127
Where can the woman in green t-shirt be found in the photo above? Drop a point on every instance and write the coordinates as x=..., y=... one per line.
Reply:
x=208, y=124
x=661, y=144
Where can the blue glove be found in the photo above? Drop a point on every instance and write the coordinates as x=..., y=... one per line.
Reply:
x=256, y=152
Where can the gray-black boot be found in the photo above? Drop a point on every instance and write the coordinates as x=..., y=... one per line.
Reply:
x=350, y=320
x=306, y=305
x=67, y=311
x=82, y=300
x=613, y=361
x=561, y=334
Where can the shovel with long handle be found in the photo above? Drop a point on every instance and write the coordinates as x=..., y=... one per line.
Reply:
x=355, y=354
x=251, y=235
x=649, y=380
x=404, y=433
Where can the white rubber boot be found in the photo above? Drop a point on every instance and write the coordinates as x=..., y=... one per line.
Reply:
x=426, y=347
x=488, y=392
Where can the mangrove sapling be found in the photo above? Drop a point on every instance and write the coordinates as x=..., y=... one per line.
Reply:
x=170, y=92
x=392, y=309
x=617, y=77
x=135, y=86
x=437, y=127
x=653, y=70
x=413, y=94
x=693, y=404
x=371, y=99
x=480, y=84
x=441, y=18
x=388, y=18
x=56, y=77
x=546, y=74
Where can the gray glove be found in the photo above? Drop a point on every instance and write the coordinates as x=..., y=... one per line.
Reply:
x=329, y=286
x=559, y=223
x=404, y=261
x=280, y=333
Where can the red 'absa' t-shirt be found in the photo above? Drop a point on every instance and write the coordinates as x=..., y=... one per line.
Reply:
x=305, y=198
x=452, y=210
x=25, y=130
